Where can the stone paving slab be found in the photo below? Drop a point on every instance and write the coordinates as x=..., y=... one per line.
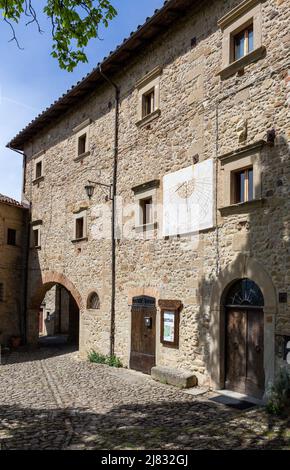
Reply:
x=49, y=399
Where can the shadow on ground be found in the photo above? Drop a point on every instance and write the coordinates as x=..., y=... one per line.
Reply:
x=166, y=425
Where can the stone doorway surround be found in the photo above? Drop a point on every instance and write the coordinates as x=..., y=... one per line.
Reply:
x=242, y=267
x=37, y=293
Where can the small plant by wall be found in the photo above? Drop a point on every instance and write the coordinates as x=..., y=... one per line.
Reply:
x=279, y=395
x=112, y=361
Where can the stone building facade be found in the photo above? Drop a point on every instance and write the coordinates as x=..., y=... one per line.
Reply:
x=13, y=229
x=203, y=100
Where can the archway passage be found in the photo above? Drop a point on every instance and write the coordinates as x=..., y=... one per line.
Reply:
x=58, y=317
x=244, y=342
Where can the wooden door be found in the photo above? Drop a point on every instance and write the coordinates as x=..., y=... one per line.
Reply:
x=143, y=337
x=245, y=351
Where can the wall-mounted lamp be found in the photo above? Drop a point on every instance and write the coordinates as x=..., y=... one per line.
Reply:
x=90, y=189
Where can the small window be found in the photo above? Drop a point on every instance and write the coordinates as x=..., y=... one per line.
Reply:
x=148, y=103
x=243, y=42
x=93, y=301
x=82, y=144
x=38, y=170
x=79, y=228
x=36, y=237
x=1, y=292
x=11, y=237
x=146, y=213
x=243, y=186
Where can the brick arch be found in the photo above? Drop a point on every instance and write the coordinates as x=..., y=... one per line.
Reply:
x=50, y=279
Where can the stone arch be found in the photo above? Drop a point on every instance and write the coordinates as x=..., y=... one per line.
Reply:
x=243, y=266
x=49, y=279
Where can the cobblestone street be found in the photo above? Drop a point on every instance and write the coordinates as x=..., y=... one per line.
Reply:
x=50, y=399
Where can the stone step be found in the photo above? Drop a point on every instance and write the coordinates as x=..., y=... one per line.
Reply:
x=177, y=377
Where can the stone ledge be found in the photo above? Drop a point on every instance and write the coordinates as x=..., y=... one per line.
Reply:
x=239, y=64
x=178, y=378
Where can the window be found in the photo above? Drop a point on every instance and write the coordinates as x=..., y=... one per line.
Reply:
x=93, y=301
x=36, y=237
x=79, y=228
x=146, y=206
x=148, y=103
x=243, y=42
x=82, y=144
x=146, y=212
x=11, y=237
x=243, y=185
x=242, y=37
x=241, y=176
x=82, y=139
x=38, y=170
x=1, y=292
x=149, y=97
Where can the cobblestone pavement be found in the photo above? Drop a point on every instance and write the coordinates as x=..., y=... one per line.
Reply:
x=50, y=399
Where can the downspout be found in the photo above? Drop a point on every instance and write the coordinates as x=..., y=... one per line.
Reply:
x=23, y=319
x=114, y=193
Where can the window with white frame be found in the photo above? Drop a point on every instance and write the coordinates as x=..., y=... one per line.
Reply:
x=149, y=96
x=80, y=226
x=82, y=139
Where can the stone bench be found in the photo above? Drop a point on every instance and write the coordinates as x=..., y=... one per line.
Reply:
x=177, y=377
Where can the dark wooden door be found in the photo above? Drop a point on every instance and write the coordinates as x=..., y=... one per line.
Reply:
x=245, y=351
x=143, y=338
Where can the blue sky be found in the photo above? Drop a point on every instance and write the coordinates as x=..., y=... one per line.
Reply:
x=30, y=80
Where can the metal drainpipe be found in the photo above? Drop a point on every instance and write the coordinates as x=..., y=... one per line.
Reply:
x=23, y=323
x=114, y=193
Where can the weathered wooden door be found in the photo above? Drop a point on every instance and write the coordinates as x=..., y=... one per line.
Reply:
x=143, y=334
x=245, y=351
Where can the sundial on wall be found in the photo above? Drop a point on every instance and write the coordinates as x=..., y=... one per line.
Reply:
x=188, y=199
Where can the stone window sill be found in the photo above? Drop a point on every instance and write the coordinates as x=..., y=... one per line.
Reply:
x=241, y=206
x=38, y=180
x=82, y=156
x=239, y=65
x=146, y=227
x=147, y=119
x=77, y=240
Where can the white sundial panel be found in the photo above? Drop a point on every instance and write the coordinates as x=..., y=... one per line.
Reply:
x=188, y=199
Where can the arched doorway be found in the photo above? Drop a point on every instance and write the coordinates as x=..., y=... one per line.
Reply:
x=54, y=310
x=59, y=318
x=244, y=338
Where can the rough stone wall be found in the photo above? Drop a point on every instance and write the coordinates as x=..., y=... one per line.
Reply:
x=12, y=264
x=201, y=120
